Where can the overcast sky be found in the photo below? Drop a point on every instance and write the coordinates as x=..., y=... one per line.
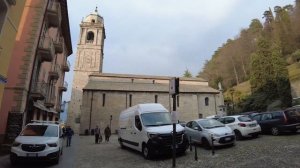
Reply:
x=164, y=37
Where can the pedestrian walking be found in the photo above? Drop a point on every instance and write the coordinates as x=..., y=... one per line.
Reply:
x=97, y=134
x=69, y=133
x=107, y=133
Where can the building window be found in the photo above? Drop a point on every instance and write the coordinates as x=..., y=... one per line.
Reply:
x=3, y=12
x=90, y=37
x=103, y=99
x=156, y=97
x=200, y=115
x=206, y=101
x=130, y=100
x=93, y=20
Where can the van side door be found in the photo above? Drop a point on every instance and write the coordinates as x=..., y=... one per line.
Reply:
x=136, y=133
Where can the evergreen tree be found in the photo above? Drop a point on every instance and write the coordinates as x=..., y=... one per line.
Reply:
x=187, y=74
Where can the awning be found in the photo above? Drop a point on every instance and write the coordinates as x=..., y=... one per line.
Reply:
x=38, y=104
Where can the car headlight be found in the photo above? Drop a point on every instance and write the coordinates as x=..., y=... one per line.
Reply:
x=15, y=144
x=52, y=144
x=152, y=136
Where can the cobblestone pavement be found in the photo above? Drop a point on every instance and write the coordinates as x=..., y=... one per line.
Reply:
x=265, y=151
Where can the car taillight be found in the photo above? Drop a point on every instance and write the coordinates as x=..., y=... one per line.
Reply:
x=242, y=124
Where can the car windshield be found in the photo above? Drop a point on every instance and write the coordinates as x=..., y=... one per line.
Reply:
x=244, y=119
x=40, y=130
x=156, y=119
x=210, y=123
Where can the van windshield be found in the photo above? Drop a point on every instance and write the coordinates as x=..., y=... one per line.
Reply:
x=156, y=119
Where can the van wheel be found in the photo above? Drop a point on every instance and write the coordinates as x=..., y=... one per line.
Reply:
x=121, y=143
x=274, y=131
x=56, y=160
x=146, y=152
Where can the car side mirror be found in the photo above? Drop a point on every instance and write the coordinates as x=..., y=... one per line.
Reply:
x=197, y=128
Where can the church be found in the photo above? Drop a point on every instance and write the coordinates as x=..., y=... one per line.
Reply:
x=98, y=98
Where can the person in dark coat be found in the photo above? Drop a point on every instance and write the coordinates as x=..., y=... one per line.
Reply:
x=107, y=133
x=97, y=134
x=69, y=133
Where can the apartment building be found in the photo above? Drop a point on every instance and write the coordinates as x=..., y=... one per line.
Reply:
x=37, y=68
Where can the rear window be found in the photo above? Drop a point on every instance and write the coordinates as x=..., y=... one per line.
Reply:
x=244, y=119
x=40, y=130
x=293, y=113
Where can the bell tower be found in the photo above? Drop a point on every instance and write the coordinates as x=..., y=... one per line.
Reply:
x=89, y=59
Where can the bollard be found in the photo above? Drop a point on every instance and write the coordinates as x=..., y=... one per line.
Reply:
x=196, y=156
x=212, y=145
x=191, y=148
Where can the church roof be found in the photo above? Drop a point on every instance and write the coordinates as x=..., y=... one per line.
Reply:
x=143, y=76
x=145, y=87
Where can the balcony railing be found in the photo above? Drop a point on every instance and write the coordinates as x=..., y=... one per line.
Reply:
x=50, y=101
x=38, y=91
x=64, y=88
x=54, y=14
x=54, y=72
x=58, y=44
x=46, y=49
x=66, y=66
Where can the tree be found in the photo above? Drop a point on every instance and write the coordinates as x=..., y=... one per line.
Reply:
x=187, y=74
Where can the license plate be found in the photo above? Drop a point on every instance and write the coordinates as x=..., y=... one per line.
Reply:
x=32, y=155
x=227, y=139
x=252, y=125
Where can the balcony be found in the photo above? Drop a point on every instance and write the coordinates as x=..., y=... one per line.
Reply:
x=46, y=49
x=58, y=44
x=54, y=14
x=64, y=88
x=66, y=66
x=38, y=91
x=50, y=101
x=54, y=72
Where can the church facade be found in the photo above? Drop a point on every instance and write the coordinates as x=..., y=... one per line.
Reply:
x=98, y=98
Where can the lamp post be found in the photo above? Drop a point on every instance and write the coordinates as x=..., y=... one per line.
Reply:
x=231, y=91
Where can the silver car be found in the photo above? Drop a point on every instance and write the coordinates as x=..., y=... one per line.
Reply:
x=203, y=131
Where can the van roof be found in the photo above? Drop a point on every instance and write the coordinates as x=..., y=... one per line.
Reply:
x=148, y=107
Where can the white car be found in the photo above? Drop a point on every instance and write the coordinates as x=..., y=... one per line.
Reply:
x=243, y=126
x=38, y=141
x=204, y=130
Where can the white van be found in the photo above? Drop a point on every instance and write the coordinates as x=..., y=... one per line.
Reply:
x=148, y=129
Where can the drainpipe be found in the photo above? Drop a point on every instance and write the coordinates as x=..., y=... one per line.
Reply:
x=91, y=110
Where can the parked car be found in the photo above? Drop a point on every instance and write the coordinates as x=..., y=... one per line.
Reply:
x=279, y=121
x=38, y=141
x=203, y=130
x=148, y=128
x=242, y=125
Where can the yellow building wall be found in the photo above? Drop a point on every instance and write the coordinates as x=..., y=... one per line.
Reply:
x=7, y=38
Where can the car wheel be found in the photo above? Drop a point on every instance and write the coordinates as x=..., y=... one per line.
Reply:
x=255, y=136
x=13, y=160
x=56, y=160
x=238, y=135
x=146, y=152
x=274, y=131
x=205, y=143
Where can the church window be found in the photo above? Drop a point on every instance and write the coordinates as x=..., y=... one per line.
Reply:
x=200, y=115
x=103, y=99
x=93, y=20
x=90, y=37
x=130, y=100
x=156, y=98
x=206, y=101
x=3, y=12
